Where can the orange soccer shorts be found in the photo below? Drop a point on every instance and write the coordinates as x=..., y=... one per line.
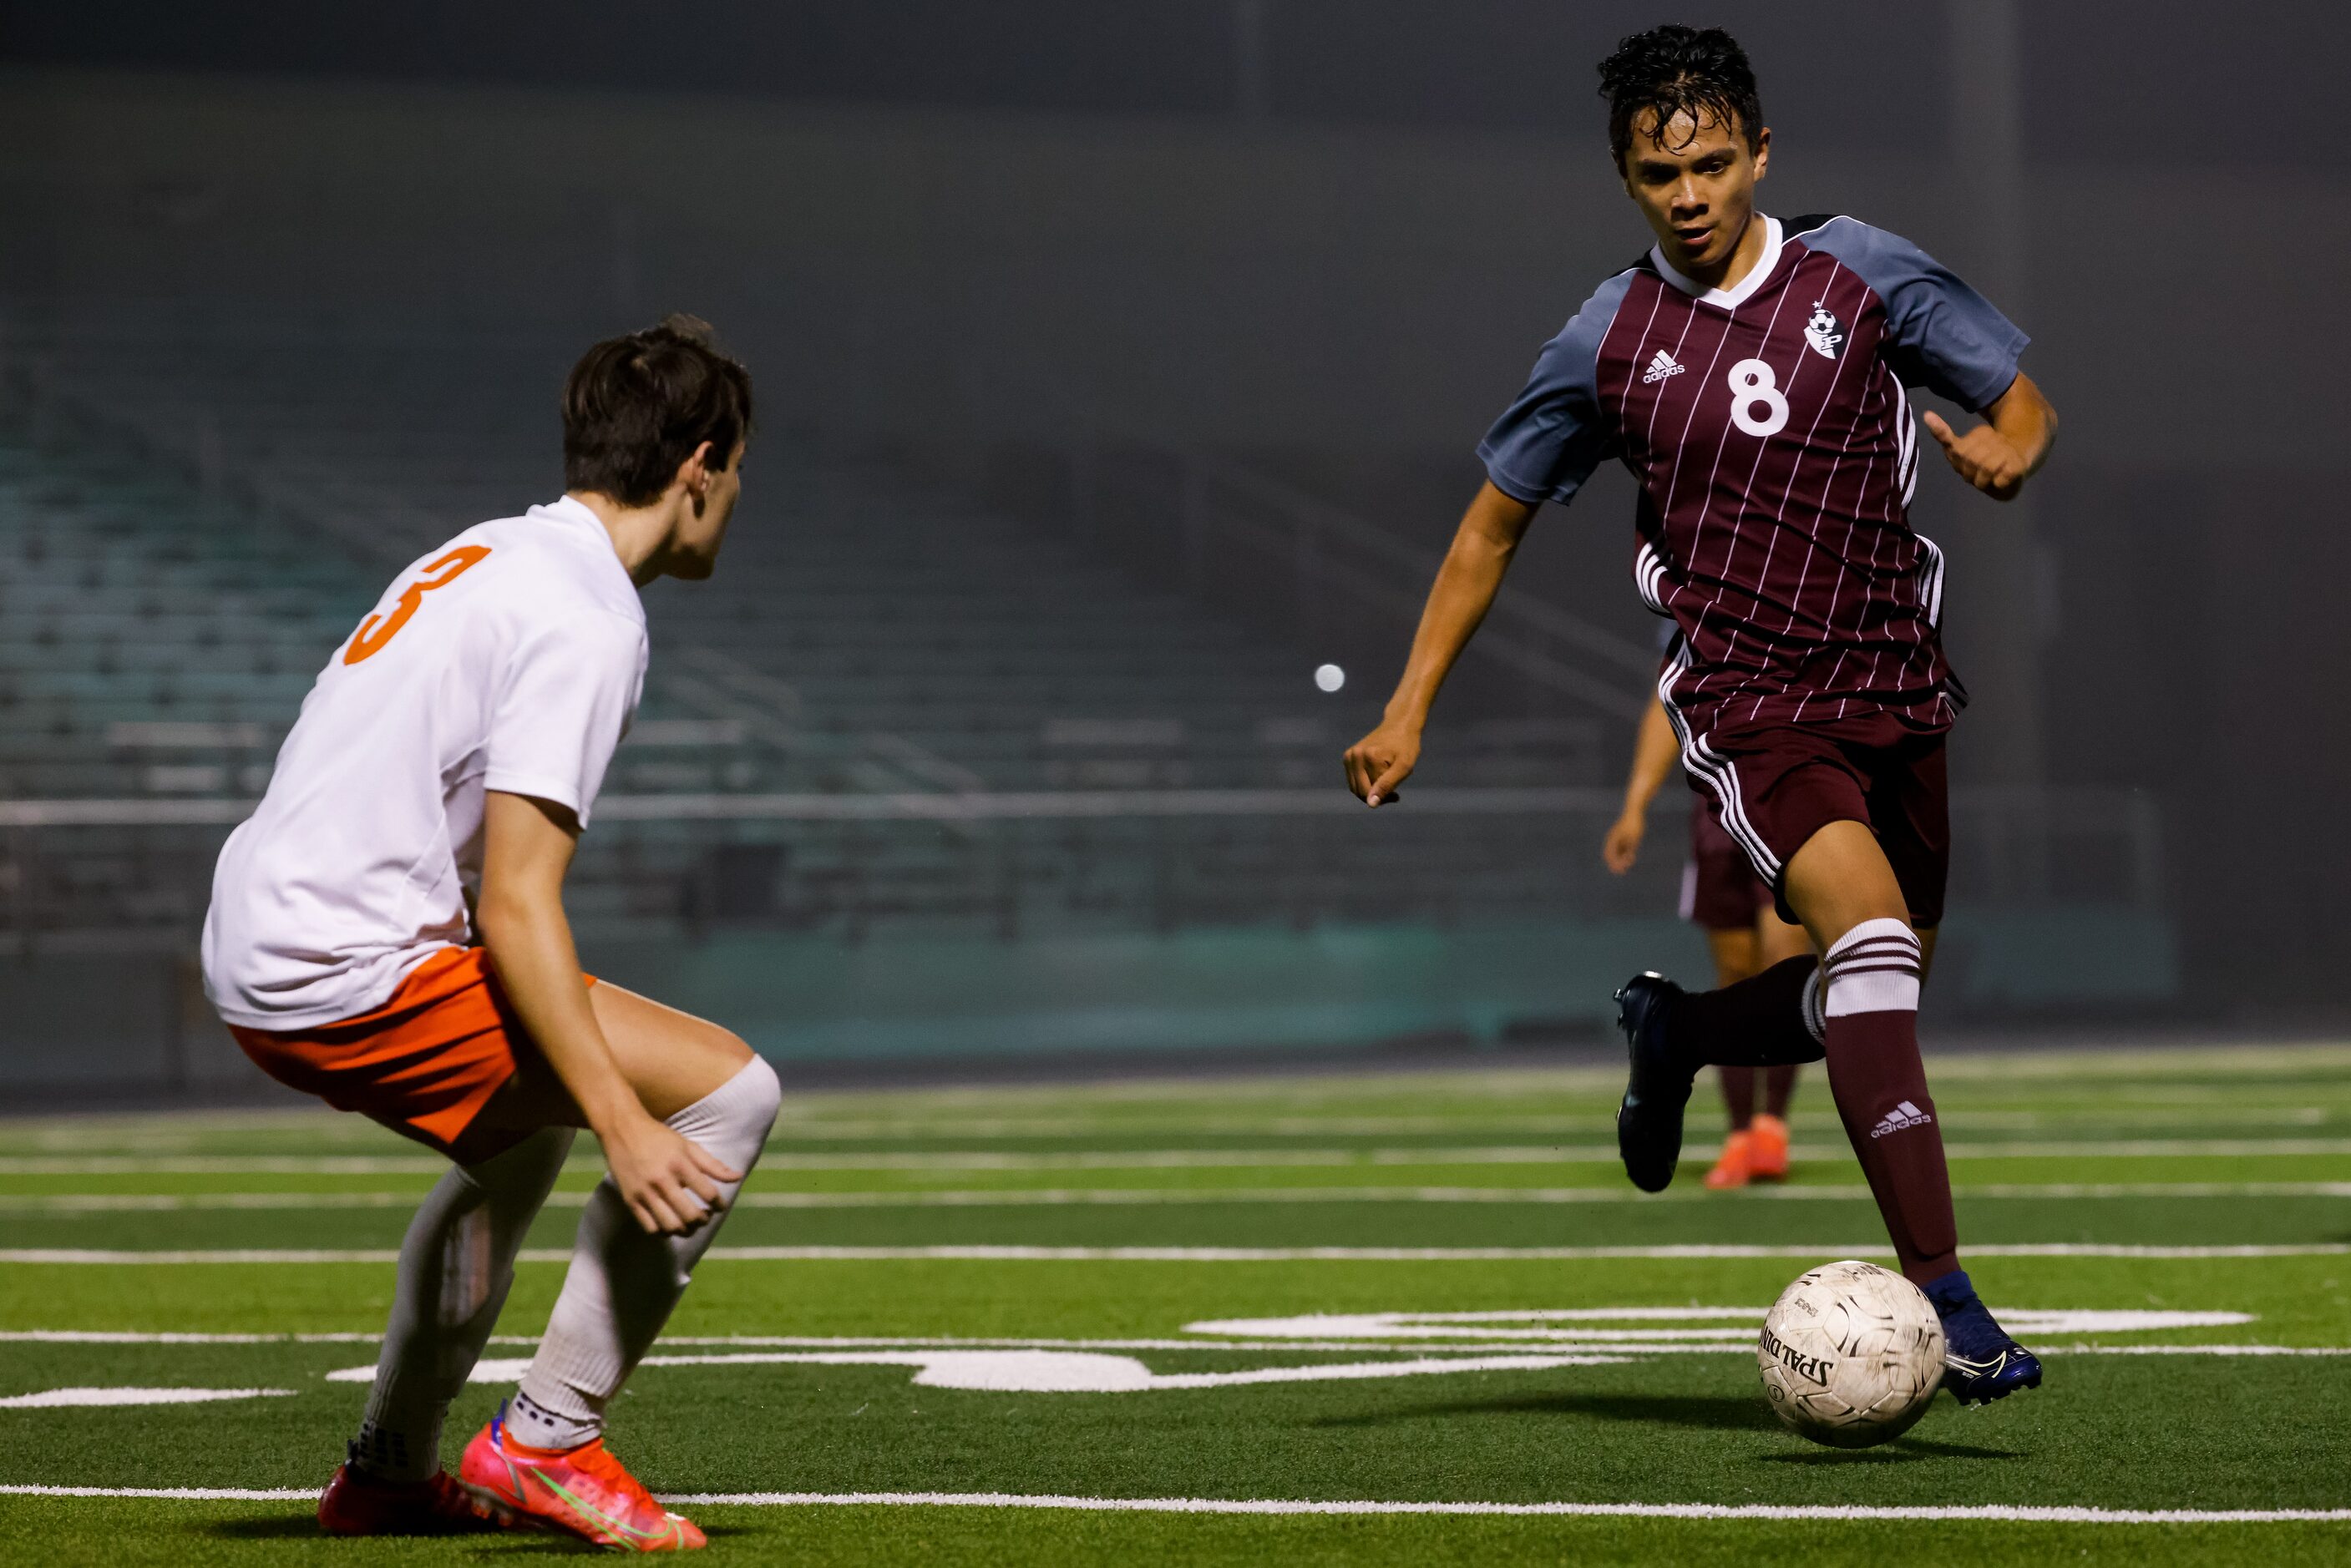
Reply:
x=424, y=1063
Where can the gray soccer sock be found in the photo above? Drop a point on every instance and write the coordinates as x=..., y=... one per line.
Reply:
x=456, y=1266
x=623, y=1283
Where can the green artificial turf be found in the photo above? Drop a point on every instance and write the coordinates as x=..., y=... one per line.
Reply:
x=201, y=1535
x=2167, y=1150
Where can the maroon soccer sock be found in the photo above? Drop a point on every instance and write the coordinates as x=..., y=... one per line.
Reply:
x=1758, y=1022
x=1880, y=1087
x=1779, y=1085
x=1738, y=1095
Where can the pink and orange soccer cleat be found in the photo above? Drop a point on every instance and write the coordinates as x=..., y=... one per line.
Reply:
x=357, y=1503
x=1767, y=1149
x=1732, y=1169
x=582, y=1491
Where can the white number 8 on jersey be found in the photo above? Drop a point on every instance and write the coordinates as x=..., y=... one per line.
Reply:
x=1752, y=383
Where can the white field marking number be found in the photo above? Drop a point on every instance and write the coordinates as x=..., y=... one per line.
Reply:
x=1754, y=384
x=1445, y=1342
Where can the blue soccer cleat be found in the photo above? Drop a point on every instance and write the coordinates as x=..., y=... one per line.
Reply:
x=1649, y=1121
x=1980, y=1363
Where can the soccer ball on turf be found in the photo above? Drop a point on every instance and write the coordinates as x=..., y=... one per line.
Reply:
x=1852, y=1355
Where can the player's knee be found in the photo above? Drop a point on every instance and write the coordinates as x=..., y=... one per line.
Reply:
x=734, y=1119
x=763, y=1093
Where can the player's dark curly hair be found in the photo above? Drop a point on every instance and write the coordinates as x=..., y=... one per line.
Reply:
x=634, y=407
x=1700, y=72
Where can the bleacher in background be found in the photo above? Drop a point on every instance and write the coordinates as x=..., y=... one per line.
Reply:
x=911, y=776
x=865, y=639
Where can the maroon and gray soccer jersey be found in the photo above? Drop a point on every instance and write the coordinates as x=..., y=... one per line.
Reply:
x=1769, y=430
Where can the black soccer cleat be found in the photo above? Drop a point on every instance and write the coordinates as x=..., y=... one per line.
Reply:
x=1980, y=1362
x=1649, y=1121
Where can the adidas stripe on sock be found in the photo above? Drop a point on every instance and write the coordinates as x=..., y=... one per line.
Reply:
x=1873, y=968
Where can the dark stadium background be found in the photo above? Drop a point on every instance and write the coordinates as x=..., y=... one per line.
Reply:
x=1120, y=365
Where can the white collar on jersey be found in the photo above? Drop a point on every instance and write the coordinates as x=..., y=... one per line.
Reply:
x=581, y=527
x=569, y=510
x=1729, y=298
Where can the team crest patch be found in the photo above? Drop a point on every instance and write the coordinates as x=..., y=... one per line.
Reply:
x=1824, y=332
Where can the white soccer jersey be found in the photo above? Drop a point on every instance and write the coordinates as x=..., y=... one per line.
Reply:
x=509, y=658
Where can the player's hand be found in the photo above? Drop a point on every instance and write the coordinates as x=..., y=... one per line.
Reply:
x=1983, y=457
x=1622, y=845
x=1382, y=760
x=669, y=1181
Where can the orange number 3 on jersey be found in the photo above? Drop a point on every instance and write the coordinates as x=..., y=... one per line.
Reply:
x=377, y=630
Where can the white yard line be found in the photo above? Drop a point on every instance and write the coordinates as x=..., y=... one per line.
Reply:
x=1167, y=1158
x=1998, y=1513
x=121, y=1336
x=1993, y=1512
x=2198, y=1349
x=1470, y=1124
x=183, y=1136
x=59, y=1399
x=1494, y=1328
x=179, y=1202
x=76, y=1256
x=786, y=1341
x=222, y=1165
x=1151, y=1197
x=173, y=1493
x=1637, y=1346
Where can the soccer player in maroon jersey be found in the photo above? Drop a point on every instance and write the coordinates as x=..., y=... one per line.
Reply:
x=1722, y=896
x=1753, y=375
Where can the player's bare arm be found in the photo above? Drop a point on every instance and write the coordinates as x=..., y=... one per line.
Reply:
x=1655, y=755
x=1997, y=456
x=1464, y=590
x=670, y=1182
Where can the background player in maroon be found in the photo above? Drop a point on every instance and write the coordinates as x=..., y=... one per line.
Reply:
x=1723, y=898
x=1753, y=376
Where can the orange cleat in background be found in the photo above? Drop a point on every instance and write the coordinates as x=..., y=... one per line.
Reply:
x=1732, y=1168
x=357, y=1503
x=1766, y=1149
x=582, y=1491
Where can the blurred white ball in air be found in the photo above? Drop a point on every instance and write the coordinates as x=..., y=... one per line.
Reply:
x=1329, y=677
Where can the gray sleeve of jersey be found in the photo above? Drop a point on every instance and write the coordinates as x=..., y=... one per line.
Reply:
x=1939, y=333
x=1554, y=433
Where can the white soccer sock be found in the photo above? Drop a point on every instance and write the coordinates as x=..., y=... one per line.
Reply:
x=1873, y=968
x=623, y=1283
x=455, y=1265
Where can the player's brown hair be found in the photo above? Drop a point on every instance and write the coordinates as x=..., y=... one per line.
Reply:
x=1698, y=71
x=634, y=407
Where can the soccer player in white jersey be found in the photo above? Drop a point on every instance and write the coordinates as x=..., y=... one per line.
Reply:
x=387, y=932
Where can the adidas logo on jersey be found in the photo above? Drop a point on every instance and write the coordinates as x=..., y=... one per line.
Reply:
x=1661, y=367
x=1900, y=1119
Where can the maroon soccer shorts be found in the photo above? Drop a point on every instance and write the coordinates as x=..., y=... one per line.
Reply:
x=1772, y=787
x=1721, y=892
